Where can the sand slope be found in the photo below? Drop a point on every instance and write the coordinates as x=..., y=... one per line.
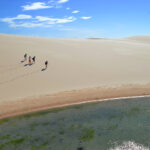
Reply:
x=73, y=64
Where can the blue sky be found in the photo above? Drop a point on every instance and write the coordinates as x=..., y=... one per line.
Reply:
x=75, y=18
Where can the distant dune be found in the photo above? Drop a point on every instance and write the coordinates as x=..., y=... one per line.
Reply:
x=74, y=64
x=96, y=38
x=144, y=39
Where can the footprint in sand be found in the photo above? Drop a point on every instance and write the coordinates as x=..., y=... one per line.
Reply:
x=19, y=76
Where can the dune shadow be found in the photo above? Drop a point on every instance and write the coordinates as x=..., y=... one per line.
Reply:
x=43, y=69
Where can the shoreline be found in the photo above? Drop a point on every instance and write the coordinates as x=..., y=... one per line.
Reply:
x=71, y=98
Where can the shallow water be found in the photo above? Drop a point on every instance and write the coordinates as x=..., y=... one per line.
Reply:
x=110, y=125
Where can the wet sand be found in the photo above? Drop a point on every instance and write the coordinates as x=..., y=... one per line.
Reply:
x=28, y=105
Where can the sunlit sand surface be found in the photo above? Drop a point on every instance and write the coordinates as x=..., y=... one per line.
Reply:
x=78, y=70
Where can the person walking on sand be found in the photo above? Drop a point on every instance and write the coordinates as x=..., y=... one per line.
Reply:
x=29, y=59
x=25, y=57
x=33, y=59
x=46, y=64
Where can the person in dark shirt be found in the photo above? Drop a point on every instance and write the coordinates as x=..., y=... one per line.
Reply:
x=46, y=64
x=25, y=57
x=33, y=59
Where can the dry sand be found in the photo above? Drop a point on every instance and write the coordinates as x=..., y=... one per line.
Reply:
x=79, y=70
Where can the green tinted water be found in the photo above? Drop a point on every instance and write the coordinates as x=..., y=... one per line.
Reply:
x=119, y=124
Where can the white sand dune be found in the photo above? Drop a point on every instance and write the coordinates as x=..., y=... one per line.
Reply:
x=144, y=39
x=74, y=64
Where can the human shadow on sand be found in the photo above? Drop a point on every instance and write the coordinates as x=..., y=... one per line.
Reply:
x=22, y=61
x=28, y=65
x=43, y=69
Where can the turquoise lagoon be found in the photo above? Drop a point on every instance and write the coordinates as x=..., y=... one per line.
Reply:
x=107, y=125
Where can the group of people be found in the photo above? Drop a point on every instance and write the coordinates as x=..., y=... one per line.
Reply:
x=32, y=60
